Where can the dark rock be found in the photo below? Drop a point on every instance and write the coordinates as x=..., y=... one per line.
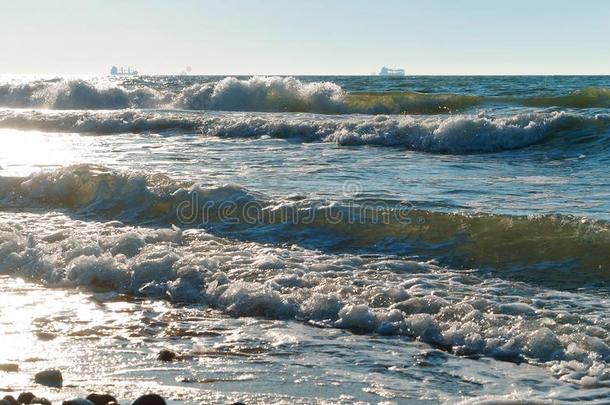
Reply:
x=25, y=397
x=151, y=399
x=78, y=401
x=9, y=368
x=34, y=359
x=4, y=402
x=167, y=355
x=238, y=403
x=101, y=399
x=41, y=401
x=11, y=400
x=45, y=336
x=50, y=378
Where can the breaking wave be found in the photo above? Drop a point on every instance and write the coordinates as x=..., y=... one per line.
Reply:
x=76, y=95
x=269, y=94
x=452, y=134
x=99, y=122
x=457, y=311
x=455, y=134
x=552, y=247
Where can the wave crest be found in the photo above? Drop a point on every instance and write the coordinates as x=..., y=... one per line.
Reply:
x=453, y=134
x=462, y=312
x=499, y=241
x=98, y=122
x=269, y=94
x=76, y=95
x=440, y=134
x=591, y=97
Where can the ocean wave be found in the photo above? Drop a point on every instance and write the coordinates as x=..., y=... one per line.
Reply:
x=269, y=94
x=456, y=311
x=76, y=94
x=515, y=243
x=451, y=134
x=440, y=134
x=98, y=122
x=591, y=97
x=287, y=94
x=265, y=94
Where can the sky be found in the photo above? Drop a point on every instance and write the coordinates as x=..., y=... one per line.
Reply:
x=269, y=37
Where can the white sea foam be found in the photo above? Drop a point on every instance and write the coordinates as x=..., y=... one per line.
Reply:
x=263, y=94
x=76, y=94
x=254, y=94
x=509, y=399
x=440, y=133
x=272, y=94
x=130, y=197
x=98, y=122
x=447, y=134
x=456, y=311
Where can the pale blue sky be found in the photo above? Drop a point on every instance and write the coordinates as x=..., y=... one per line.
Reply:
x=306, y=37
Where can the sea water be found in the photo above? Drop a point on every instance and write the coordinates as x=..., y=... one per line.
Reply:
x=307, y=239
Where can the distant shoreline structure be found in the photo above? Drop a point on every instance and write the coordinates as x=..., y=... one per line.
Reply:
x=385, y=71
x=115, y=71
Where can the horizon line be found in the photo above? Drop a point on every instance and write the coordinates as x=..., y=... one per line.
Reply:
x=312, y=74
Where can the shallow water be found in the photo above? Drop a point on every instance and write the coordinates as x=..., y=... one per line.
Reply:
x=303, y=247
x=109, y=343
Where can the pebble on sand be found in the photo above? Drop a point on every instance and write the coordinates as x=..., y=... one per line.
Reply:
x=50, y=378
x=9, y=368
x=25, y=397
x=11, y=400
x=41, y=401
x=101, y=399
x=150, y=399
x=45, y=336
x=167, y=355
x=78, y=401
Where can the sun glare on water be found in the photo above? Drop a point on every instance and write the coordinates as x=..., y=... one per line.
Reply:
x=25, y=152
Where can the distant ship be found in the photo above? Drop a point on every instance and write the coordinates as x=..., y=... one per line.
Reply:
x=391, y=72
x=115, y=71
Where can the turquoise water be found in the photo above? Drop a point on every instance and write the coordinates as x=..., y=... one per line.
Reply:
x=466, y=216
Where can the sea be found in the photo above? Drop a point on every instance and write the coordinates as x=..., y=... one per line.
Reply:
x=301, y=240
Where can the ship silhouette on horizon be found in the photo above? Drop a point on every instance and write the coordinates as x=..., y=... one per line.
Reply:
x=385, y=71
x=115, y=71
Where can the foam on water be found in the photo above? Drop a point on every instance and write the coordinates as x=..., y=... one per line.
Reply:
x=98, y=122
x=440, y=134
x=271, y=94
x=75, y=94
x=454, y=134
x=263, y=94
x=559, y=249
x=498, y=259
x=105, y=339
x=457, y=311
